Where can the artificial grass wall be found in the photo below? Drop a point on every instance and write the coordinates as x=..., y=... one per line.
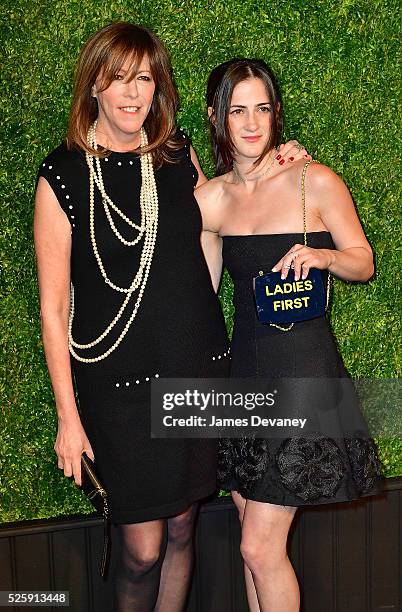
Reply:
x=337, y=66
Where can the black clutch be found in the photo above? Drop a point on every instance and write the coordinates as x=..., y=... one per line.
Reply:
x=96, y=492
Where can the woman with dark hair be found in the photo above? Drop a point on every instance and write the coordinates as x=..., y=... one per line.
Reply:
x=266, y=218
x=125, y=289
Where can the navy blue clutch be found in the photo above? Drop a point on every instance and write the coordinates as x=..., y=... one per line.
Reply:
x=280, y=302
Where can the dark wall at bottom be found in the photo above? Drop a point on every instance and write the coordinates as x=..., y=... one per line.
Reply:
x=347, y=558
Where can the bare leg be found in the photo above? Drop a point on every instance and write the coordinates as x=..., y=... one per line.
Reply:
x=265, y=530
x=252, y=598
x=178, y=564
x=137, y=576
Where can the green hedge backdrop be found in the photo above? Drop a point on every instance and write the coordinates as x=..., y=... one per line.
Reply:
x=337, y=63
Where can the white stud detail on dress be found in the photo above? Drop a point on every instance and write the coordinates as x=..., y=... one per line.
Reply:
x=138, y=381
x=215, y=357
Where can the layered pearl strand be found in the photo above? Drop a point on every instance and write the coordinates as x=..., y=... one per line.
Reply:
x=147, y=229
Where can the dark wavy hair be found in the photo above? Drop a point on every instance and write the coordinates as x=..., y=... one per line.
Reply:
x=104, y=54
x=221, y=83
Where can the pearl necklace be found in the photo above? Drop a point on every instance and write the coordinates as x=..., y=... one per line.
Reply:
x=147, y=229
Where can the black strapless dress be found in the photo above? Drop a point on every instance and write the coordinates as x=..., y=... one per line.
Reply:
x=307, y=469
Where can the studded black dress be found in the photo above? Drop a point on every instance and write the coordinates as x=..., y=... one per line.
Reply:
x=179, y=331
x=299, y=470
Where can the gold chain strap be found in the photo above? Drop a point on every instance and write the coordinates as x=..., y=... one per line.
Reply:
x=303, y=190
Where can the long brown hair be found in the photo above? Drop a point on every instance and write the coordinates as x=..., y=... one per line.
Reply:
x=221, y=83
x=104, y=54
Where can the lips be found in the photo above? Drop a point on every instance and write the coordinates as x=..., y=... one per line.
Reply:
x=130, y=109
x=251, y=138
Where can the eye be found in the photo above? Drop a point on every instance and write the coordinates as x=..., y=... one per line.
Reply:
x=118, y=77
x=265, y=109
x=236, y=111
x=144, y=77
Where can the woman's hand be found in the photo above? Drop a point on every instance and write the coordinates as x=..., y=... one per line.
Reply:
x=301, y=258
x=291, y=151
x=71, y=442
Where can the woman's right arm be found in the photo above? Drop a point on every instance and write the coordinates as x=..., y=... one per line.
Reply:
x=209, y=196
x=52, y=233
x=211, y=244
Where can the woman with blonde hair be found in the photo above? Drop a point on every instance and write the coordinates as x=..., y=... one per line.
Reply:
x=126, y=297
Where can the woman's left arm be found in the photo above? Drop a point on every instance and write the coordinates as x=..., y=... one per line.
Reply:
x=352, y=259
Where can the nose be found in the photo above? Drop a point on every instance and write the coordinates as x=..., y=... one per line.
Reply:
x=251, y=122
x=132, y=88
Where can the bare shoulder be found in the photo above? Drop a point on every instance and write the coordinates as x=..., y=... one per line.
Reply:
x=211, y=200
x=211, y=191
x=321, y=177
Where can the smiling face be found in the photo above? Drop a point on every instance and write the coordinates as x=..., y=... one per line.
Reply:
x=250, y=119
x=125, y=104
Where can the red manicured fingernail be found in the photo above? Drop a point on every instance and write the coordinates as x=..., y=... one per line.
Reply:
x=278, y=156
x=281, y=162
x=291, y=158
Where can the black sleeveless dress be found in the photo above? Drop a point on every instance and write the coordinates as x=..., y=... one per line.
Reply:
x=302, y=470
x=179, y=331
